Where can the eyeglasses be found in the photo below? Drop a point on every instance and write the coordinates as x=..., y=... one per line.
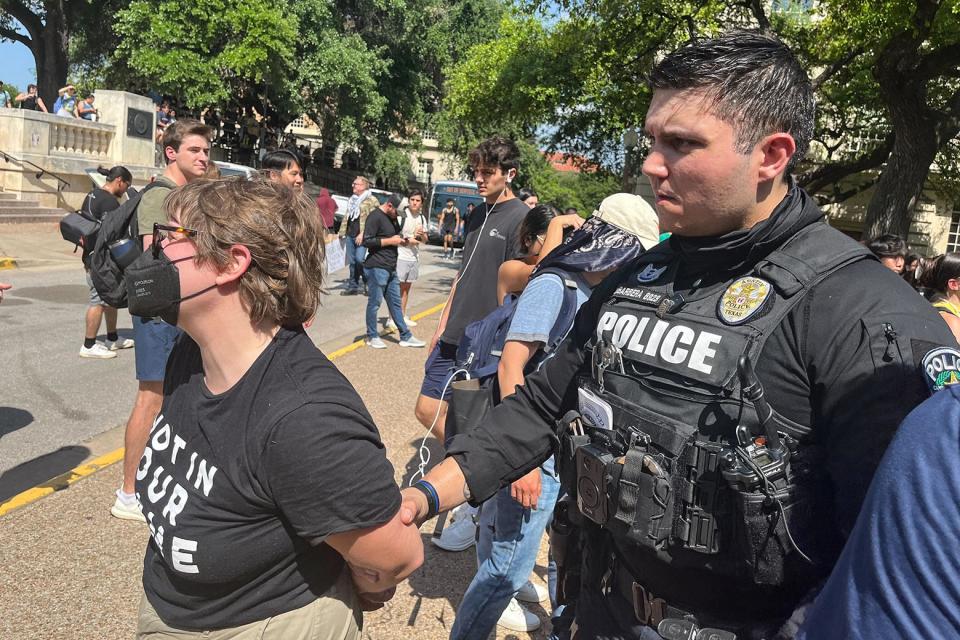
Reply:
x=157, y=235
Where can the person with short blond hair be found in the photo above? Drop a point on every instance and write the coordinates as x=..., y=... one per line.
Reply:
x=258, y=529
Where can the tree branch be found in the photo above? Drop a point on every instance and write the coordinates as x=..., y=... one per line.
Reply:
x=10, y=34
x=832, y=172
x=837, y=65
x=756, y=8
x=837, y=197
x=943, y=61
x=949, y=124
x=22, y=13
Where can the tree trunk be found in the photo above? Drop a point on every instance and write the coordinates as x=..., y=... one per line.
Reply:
x=894, y=202
x=50, y=52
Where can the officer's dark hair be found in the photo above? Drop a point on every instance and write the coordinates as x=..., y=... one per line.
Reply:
x=752, y=81
x=526, y=193
x=535, y=223
x=943, y=269
x=116, y=172
x=887, y=246
x=280, y=160
x=495, y=152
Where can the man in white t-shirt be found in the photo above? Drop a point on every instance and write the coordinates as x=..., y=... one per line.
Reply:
x=413, y=227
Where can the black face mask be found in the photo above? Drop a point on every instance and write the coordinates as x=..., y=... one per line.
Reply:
x=153, y=287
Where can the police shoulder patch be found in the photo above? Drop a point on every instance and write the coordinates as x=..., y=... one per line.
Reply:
x=941, y=367
x=650, y=273
x=744, y=298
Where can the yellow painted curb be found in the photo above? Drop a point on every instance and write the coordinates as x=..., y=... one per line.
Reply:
x=64, y=480
x=8, y=263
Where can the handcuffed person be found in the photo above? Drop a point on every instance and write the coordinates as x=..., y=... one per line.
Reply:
x=248, y=480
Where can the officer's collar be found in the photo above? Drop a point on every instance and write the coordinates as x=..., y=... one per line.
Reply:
x=738, y=251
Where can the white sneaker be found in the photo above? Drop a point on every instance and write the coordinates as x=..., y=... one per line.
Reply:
x=122, y=343
x=98, y=350
x=377, y=343
x=390, y=324
x=459, y=535
x=516, y=618
x=532, y=593
x=125, y=510
x=410, y=323
x=413, y=342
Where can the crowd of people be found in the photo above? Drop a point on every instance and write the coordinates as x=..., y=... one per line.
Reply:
x=701, y=421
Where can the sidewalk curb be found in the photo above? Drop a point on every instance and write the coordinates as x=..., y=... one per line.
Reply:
x=68, y=478
x=8, y=263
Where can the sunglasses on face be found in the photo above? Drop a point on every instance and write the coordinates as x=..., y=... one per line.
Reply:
x=160, y=231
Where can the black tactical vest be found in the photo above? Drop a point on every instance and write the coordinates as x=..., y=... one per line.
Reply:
x=687, y=481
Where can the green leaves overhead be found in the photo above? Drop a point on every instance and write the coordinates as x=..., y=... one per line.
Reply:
x=199, y=50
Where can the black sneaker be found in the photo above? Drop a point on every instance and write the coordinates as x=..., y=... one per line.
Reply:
x=349, y=292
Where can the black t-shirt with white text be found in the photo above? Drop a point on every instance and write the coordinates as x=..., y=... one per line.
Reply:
x=476, y=294
x=234, y=485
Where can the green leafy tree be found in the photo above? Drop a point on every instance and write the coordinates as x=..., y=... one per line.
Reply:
x=885, y=72
x=204, y=51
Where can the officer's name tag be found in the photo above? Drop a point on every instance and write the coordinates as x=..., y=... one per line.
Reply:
x=595, y=410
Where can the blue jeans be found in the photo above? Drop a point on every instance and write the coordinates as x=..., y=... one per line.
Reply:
x=355, y=256
x=506, y=554
x=382, y=283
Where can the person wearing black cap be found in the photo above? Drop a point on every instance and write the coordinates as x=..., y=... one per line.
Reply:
x=381, y=237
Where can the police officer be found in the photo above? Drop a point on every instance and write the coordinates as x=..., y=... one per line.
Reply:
x=721, y=404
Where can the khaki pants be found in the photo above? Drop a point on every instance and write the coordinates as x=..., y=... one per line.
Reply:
x=336, y=616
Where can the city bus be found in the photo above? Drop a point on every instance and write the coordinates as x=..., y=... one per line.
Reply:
x=462, y=193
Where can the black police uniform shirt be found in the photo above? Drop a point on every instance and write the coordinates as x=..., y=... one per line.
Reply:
x=483, y=253
x=379, y=226
x=823, y=366
x=234, y=485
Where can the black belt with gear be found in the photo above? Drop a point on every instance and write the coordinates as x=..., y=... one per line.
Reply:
x=652, y=610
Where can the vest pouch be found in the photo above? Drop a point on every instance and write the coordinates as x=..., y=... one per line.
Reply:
x=760, y=544
x=567, y=460
x=642, y=499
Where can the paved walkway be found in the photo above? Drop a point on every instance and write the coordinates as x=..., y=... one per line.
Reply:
x=70, y=570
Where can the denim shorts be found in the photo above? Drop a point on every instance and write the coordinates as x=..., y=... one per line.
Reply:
x=437, y=371
x=154, y=342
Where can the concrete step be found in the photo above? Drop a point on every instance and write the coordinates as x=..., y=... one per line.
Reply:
x=18, y=204
x=31, y=215
x=6, y=195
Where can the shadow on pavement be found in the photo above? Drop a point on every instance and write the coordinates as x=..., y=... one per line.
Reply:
x=69, y=293
x=12, y=419
x=41, y=471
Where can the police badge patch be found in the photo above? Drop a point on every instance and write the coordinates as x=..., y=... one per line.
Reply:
x=941, y=367
x=744, y=299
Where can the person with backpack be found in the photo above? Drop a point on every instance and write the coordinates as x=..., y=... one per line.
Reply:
x=413, y=226
x=513, y=522
x=97, y=203
x=186, y=147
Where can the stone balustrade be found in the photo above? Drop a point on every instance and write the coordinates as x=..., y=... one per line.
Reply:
x=71, y=148
x=71, y=136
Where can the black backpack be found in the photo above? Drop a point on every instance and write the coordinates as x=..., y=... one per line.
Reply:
x=117, y=245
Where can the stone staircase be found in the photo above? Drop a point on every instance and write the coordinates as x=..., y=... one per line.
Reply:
x=13, y=210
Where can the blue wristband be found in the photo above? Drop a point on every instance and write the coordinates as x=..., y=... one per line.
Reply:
x=433, y=499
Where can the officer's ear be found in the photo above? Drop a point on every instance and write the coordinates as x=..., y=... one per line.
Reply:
x=776, y=149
